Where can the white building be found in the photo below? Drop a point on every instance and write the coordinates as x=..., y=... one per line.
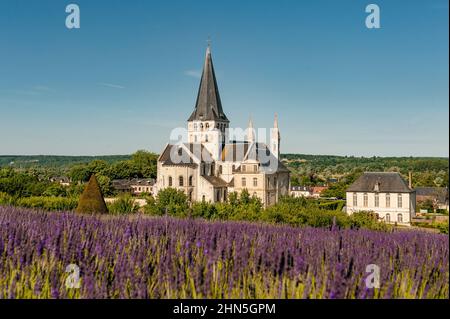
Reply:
x=209, y=166
x=301, y=191
x=386, y=194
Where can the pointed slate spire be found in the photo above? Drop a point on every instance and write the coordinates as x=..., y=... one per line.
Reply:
x=250, y=131
x=208, y=106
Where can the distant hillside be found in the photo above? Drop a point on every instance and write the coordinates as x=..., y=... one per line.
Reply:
x=53, y=161
x=304, y=162
x=316, y=169
x=344, y=164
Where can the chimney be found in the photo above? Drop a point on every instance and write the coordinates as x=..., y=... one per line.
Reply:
x=410, y=179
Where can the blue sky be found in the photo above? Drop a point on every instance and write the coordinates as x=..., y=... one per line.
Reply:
x=130, y=74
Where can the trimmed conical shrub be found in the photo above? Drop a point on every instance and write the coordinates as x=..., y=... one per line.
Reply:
x=91, y=201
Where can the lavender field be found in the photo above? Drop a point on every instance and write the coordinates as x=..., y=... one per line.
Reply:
x=142, y=257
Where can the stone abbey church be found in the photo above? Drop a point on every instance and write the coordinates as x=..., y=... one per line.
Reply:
x=209, y=166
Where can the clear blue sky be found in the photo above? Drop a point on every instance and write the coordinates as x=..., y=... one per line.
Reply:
x=130, y=74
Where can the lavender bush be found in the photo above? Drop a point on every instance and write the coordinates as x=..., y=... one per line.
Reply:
x=142, y=257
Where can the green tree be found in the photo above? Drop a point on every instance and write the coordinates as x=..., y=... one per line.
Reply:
x=124, y=205
x=56, y=190
x=170, y=201
x=145, y=162
x=79, y=173
x=105, y=184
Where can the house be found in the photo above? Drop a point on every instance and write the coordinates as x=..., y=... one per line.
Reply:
x=135, y=186
x=121, y=185
x=316, y=191
x=437, y=195
x=300, y=191
x=386, y=194
x=62, y=180
x=142, y=185
x=209, y=166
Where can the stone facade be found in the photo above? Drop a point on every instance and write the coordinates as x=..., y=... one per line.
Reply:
x=209, y=166
x=385, y=194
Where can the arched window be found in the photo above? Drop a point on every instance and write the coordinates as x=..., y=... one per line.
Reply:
x=181, y=181
x=388, y=200
x=190, y=195
x=365, y=200
x=207, y=125
x=388, y=218
x=220, y=169
x=180, y=151
x=170, y=181
x=206, y=138
x=400, y=218
x=203, y=198
x=190, y=180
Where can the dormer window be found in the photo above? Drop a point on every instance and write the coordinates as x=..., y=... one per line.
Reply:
x=376, y=188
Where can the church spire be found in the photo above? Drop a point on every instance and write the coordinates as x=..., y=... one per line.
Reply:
x=250, y=131
x=275, y=138
x=208, y=106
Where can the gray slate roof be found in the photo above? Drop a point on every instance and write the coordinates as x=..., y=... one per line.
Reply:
x=235, y=151
x=439, y=193
x=198, y=150
x=208, y=106
x=388, y=182
x=269, y=163
x=120, y=184
x=215, y=181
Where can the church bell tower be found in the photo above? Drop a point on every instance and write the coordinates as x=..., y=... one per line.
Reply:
x=208, y=123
